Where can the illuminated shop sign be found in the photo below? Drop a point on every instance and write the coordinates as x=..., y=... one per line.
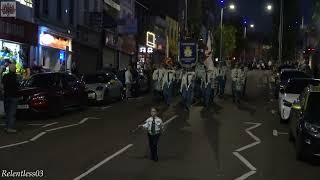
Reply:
x=55, y=41
x=151, y=40
x=25, y=2
x=148, y=50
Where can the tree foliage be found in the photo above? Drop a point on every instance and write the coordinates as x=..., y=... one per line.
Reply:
x=195, y=17
x=228, y=41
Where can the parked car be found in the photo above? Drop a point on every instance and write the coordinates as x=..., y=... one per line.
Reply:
x=305, y=124
x=51, y=93
x=290, y=93
x=103, y=87
x=285, y=75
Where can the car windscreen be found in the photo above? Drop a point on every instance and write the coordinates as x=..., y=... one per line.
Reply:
x=297, y=86
x=285, y=76
x=42, y=81
x=312, y=113
x=98, y=78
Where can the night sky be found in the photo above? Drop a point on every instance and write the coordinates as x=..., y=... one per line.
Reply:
x=255, y=12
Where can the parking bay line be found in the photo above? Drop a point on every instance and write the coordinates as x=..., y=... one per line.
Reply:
x=103, y=162
x=62, y=127
x=277, y=133
x=51, y=124
x=12, y=145
x=38, y=136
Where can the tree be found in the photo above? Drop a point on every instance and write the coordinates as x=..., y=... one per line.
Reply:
x=228, y=42
x=195, y=17
x=316, y=12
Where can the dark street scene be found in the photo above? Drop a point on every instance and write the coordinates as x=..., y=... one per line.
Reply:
x=160, y=89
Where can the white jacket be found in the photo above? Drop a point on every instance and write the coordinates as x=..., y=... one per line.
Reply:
x=187, y=80
x=169, y=77
x=158, y=125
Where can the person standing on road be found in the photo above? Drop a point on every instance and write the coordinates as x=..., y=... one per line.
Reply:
x=167, y=84
x=187, y=86
x=235, y=75
x=154, y=126
x=157, y=79
x=207, y=87
x=128, y=81
x=11, y=87
x=244, y=75
x=221, y=78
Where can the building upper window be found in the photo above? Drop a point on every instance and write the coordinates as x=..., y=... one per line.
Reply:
x=25, y=2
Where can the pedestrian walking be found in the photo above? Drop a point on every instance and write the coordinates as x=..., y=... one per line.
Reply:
x=128, y=82
x=167, y=85
x=187, y=87
x=11, y=86
x=243, y=77
x=207, y=87
x=222, y=70
x=155, y=127
x=235, y=76
x=157, y=80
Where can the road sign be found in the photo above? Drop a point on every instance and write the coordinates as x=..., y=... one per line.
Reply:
x=188, y=52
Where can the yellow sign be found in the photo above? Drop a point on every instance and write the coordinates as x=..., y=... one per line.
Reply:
x=188, y=51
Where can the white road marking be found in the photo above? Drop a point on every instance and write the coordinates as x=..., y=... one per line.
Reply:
x=245, y=176
x=49, y=130
x=170, y=120
x=63, y=127
x=51, y=124
x=38, y=136
x=277, y=133
x=241, y=158
x=83, y=120
x=12, y=145
x=106, y=107
x=103, y=162
x=244, y=161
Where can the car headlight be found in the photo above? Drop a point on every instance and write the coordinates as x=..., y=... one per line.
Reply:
x=311, y=128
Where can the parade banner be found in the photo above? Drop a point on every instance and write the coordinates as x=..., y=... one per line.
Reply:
x=188, y=52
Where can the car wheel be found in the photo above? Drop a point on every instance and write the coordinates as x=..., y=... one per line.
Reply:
x=300, y=150
x=56, y=109
x=84, y=103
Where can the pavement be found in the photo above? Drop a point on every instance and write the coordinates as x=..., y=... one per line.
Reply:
x=228, y=141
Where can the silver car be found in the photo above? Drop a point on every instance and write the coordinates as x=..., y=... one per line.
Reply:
x=103, y=87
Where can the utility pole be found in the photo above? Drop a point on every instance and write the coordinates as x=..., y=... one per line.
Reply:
x=221, y=29
x=280, y=32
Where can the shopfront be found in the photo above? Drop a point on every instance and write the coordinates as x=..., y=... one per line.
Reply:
x=18, y=40
x=55, y=50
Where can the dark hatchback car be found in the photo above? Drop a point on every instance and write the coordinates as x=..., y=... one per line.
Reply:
x=51, y=93
x=285, y=76
x=305, y=123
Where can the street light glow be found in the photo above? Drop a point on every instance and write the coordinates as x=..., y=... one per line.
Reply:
x=232, y=6
x=269, y=7
x=252, y=25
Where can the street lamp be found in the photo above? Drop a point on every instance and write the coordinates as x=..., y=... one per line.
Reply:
x=269, y=8
x=245, y=36
x=232, y=7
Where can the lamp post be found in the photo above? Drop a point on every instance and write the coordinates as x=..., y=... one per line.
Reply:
x=269, y=8
x=232, y=7
x=245, y=36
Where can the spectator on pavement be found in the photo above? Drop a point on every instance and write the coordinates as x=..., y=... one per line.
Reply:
x=154, y=126
x=10, y=85
x=128, y=81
